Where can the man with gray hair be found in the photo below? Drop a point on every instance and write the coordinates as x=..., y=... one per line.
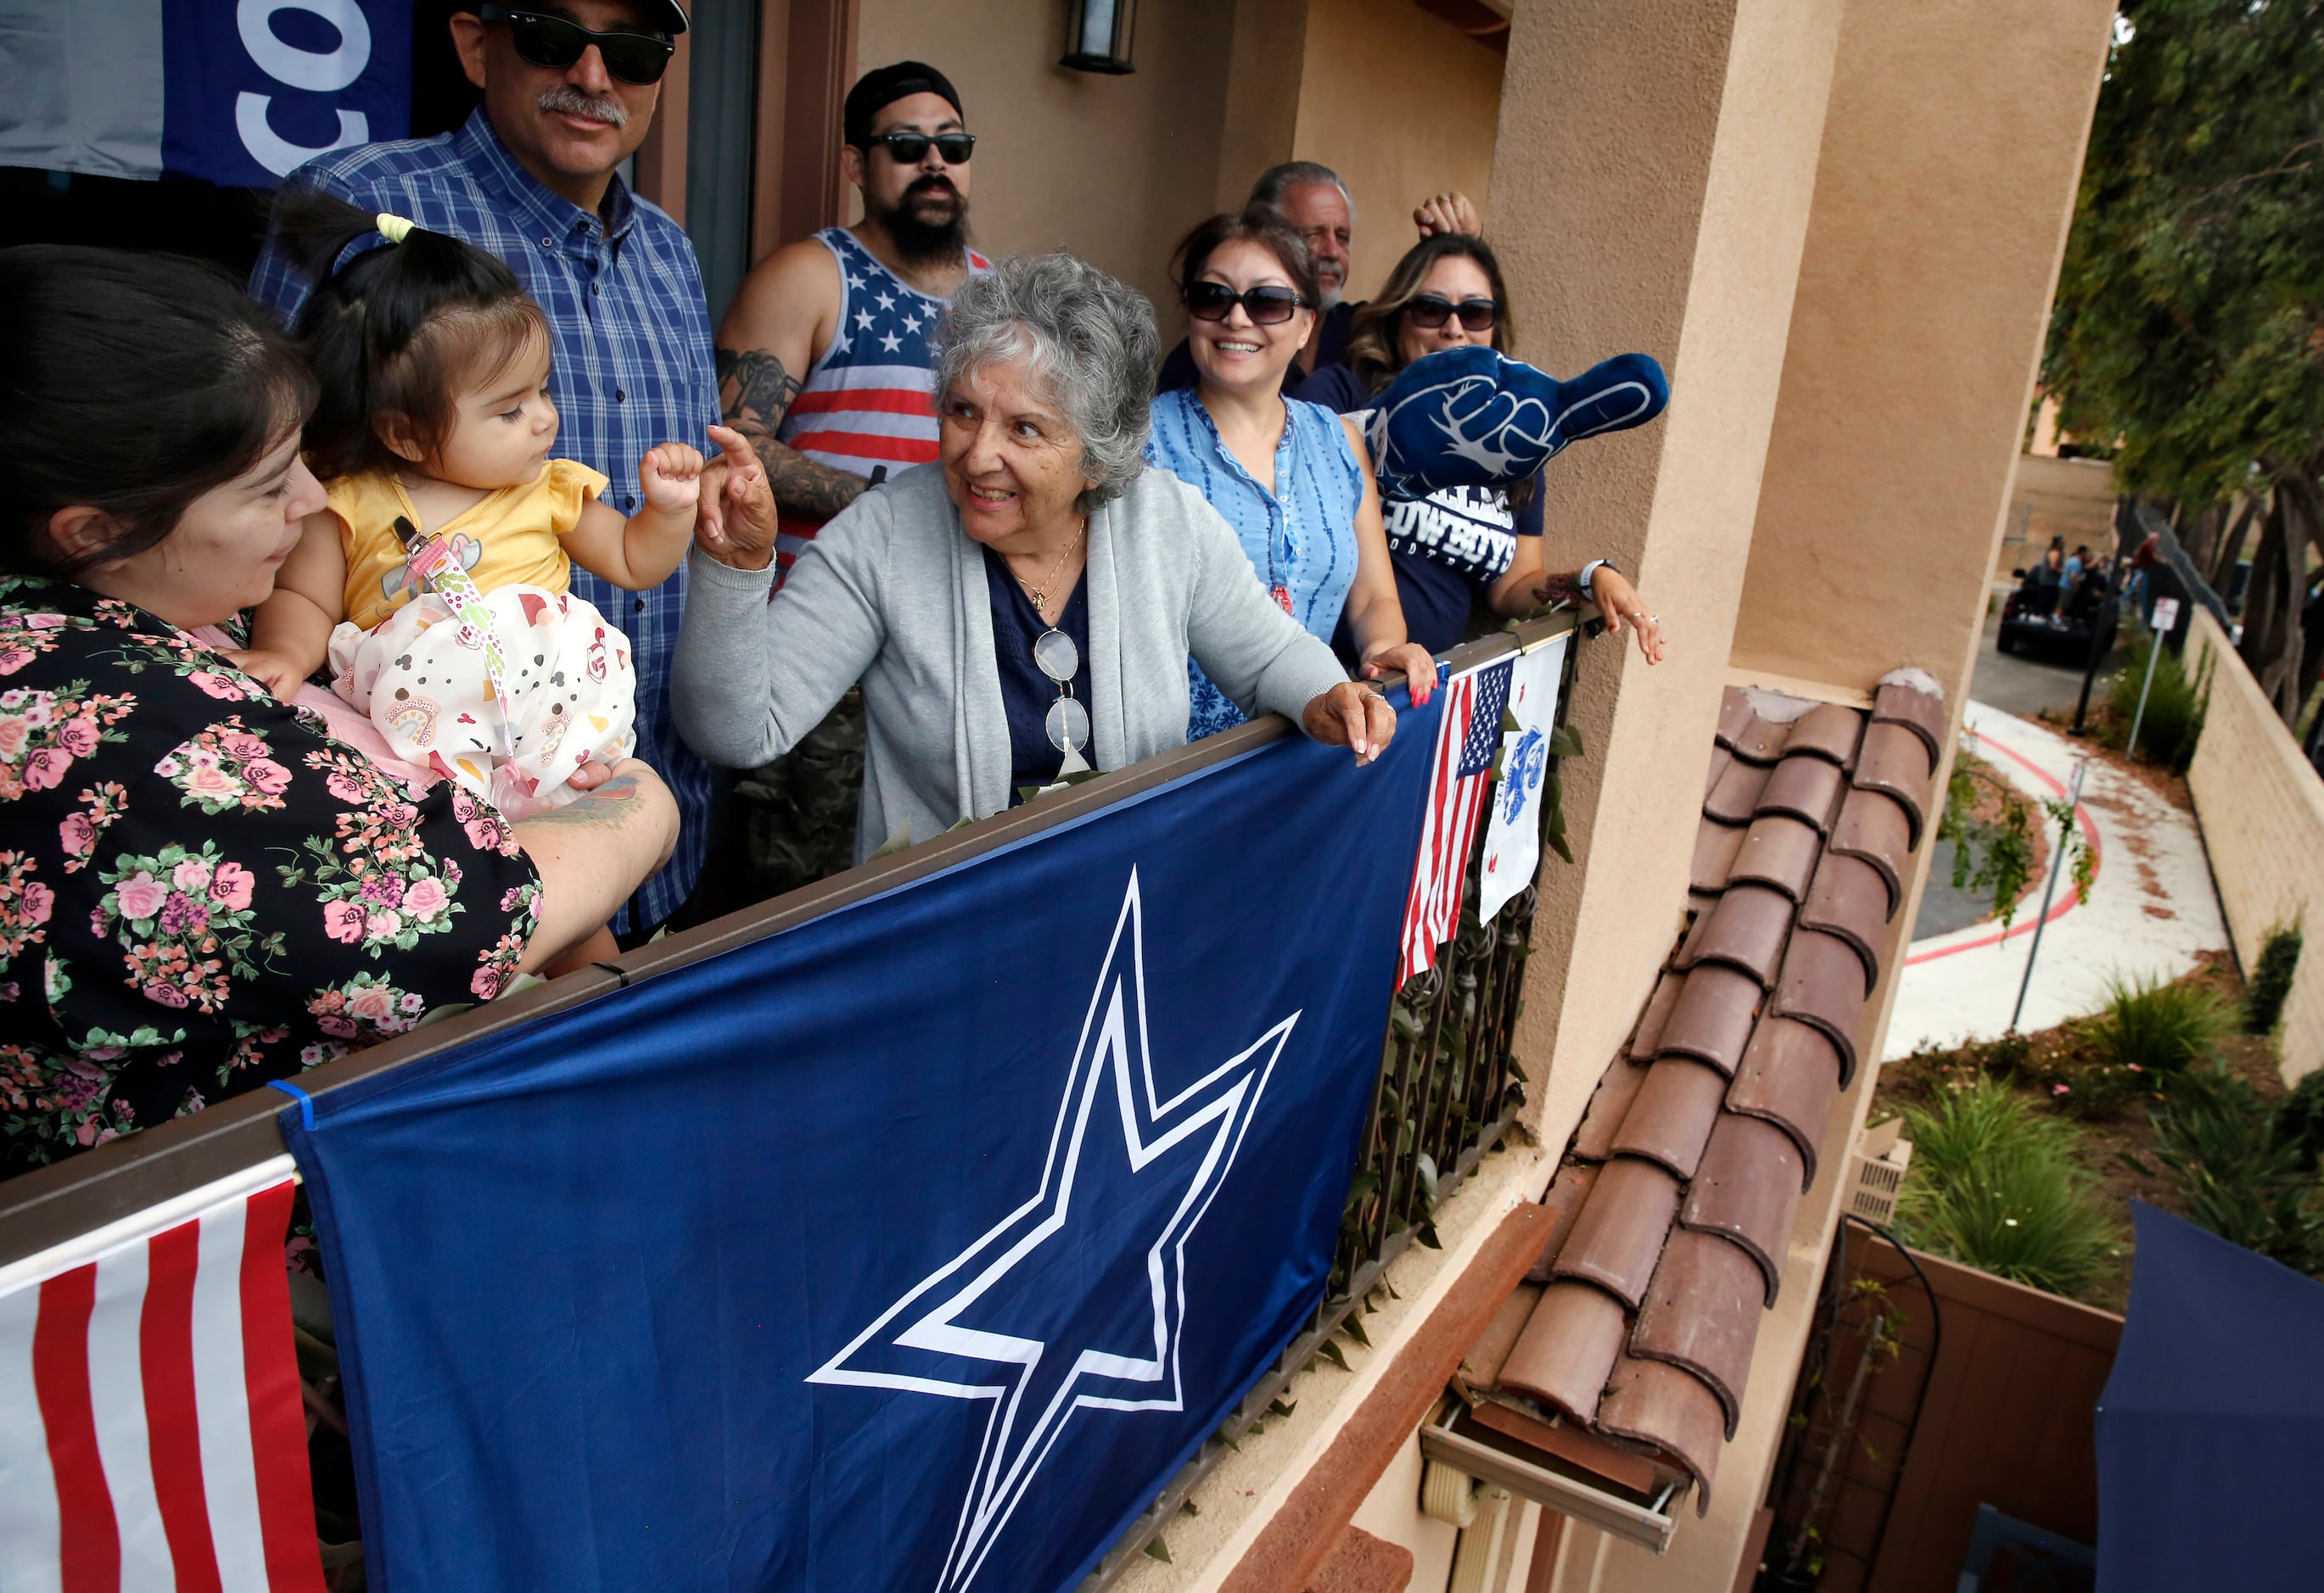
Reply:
x=1316, y=202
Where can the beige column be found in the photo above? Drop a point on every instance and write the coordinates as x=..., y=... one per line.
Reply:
x=1950, y=158
x=1651, y=190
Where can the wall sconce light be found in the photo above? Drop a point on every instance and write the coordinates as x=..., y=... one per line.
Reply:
x=1097, y=35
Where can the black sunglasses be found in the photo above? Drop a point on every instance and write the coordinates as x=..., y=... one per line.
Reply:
x=554, y=42
x=1429, y=312
x=1266, y=307
x=909, y=149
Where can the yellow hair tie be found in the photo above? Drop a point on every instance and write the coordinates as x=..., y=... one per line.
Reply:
x=393, y=228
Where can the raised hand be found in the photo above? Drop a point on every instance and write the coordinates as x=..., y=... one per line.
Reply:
x=734, y=522
x=670, y=477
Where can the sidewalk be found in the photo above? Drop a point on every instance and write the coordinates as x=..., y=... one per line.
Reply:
x=2150, y=909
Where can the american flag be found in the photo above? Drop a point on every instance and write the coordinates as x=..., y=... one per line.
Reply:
x=1459, y=785
x=151, y=1434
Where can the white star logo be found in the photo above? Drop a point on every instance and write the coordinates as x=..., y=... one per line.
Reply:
x=890, y=342
x=854, y=280
x=863, y=319
x=1035, y=1388
x=911, y=323
x=887, y=301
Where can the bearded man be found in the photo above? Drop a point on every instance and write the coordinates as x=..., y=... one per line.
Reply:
x=825, y=358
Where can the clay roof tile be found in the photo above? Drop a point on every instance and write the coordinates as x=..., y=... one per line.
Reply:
x=1878, y=830
x=1747, y=1190
x=1822, y=983
x=1788, y=1077
x=1619, y=1237
x=1735, y=715
x=1566, y=1350
x=1711, y=1021
x=1747, y=931
x=1805, y=786
x=1777, y=851
x=1715, y=846
x=1762, y=741
x=1652, y=1402
x=1564, y=1199
x=1648, y=1037
x=1827, y=730
x=1736, y=798
x=1618, y=1086
x=1894, y=761
x=1703, y=1314
x=1721, y=758
x=1850, y=899
x=1671, y=1116
x=1917, y=711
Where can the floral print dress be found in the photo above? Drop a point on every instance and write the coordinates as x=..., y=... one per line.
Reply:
x=200, y=891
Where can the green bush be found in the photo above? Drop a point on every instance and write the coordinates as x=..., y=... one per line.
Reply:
x=2158, y=1028
x=2299, y=1121
x=2173, y=720
x=2271, y=982
x=2242, y=1167
x=1995, y=1185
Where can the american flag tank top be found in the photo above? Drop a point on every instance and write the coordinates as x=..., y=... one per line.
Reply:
x=867, y=402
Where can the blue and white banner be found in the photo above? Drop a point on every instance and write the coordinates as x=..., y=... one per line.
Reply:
x=915, y=1247
x=1513, y=831
x=238, y=92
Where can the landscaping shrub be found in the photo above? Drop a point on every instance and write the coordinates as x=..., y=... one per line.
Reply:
x=2173, y=720
x=1995, y=1185
x=2299, y=1121
x=2241, y=1167
x=2154, y=1027
x=2271, y=982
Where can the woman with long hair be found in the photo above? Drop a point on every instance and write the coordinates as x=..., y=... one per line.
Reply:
x=1464, y=545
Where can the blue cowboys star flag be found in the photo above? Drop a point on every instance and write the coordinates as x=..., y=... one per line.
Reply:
x=915, y=1247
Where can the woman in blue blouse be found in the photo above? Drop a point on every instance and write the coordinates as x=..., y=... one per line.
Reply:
x=1293, y=479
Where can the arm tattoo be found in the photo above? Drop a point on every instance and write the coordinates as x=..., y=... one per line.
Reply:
x=756, y=393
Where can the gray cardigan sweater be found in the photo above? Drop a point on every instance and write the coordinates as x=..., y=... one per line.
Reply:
x=892, y=594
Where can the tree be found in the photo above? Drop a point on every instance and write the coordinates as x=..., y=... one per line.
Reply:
x=2190, y=317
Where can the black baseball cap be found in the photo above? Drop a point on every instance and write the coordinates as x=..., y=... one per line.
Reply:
x=882, y=87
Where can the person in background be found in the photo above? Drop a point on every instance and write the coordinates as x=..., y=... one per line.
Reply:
x=569, y=96
x=1292, y=478
x=1464, y=545
x=1311, y=198
x=1018, y=611
x=203, y=891
x=2070, y=579
x=827, y=354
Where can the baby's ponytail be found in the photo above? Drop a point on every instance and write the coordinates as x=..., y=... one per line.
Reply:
x=394, y=326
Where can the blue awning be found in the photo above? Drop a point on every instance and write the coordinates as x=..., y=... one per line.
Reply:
x=2211, y=1431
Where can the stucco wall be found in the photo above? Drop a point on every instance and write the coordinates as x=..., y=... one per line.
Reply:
x=1114, y=168
x=1401, y=105
x=2262, y=808
x=1681, y=238
x=1950, y=158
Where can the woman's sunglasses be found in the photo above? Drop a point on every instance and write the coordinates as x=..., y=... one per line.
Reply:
x=553, y=42
x=1429, y=312
x=1266, y=307
x=909, y=149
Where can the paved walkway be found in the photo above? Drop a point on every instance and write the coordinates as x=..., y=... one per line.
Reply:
x=2150, y=909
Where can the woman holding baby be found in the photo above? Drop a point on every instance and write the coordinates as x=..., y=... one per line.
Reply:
x=200, y=890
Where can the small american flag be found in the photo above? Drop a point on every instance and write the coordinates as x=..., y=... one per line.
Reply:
x=1458, y=785
x=151, y=1434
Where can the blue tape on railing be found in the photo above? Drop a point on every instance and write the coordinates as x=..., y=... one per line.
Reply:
x=306, y=1101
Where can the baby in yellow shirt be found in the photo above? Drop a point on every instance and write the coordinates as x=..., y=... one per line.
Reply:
x=436, y=581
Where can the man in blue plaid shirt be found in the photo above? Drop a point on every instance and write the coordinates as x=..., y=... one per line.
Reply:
x=569, y=91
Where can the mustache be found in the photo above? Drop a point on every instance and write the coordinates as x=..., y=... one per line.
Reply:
x=932, y=184
x=578, y=102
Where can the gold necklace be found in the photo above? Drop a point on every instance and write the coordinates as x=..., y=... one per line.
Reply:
x=1041, y=595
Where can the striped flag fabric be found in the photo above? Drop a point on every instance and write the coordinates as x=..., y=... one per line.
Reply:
x=151, y=1430
x=1460, y=780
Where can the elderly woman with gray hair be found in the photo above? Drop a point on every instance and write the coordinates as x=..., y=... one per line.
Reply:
x=1021, y=610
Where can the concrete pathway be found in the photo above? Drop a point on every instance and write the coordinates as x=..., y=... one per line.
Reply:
x=2150, y=909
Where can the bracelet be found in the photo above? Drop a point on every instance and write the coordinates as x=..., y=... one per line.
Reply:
x=1582, y=581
